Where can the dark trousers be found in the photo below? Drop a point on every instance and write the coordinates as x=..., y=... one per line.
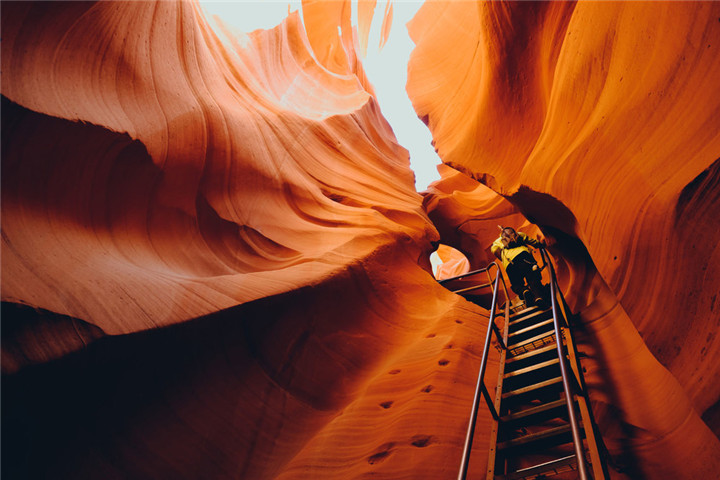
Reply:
x=519, y=270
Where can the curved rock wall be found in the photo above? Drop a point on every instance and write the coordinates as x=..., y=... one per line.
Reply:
x=220, y=171
x=225, y=264
x=600, y=122
x=213, y=256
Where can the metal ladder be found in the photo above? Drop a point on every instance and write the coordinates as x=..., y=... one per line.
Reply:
x=542, y=424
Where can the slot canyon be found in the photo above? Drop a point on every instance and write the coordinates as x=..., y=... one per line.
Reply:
x=216, y=265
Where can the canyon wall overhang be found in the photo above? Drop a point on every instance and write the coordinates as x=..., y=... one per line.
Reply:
x=215, y=265
x=600, y=122
x=214, y=260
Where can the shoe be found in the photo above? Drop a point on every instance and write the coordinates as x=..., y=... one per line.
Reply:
x=529, y=298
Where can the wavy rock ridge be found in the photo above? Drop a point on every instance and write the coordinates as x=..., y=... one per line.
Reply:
x=220, y=246
x=599, y=123
x=225, y=264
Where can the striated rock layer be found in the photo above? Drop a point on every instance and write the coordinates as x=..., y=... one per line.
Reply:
x=214, y=263
x=600, y=122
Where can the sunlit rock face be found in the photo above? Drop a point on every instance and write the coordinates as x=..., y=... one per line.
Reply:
x=467, y=214
x=223, y=257
x=211, y=209
x=214, y=263
x=600, y=122
x=453, y=263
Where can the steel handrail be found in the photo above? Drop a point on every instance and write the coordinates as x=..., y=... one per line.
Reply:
x=577, y=441
x=480, y=385
x=475, y=287
x=474, y=272
x=486, y=270
x=495, y=328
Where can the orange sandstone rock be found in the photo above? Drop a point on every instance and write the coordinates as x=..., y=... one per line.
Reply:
x=225, y=260
x=600, y=123
x=236, y=174
x=222, y=252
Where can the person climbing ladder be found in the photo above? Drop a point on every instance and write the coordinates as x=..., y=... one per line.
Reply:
x=520, y=265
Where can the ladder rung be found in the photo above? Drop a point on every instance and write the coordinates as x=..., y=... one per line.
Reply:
x=556, y=466
x=515, y=320
x=532, y=368
x=529, y=412
x=531, y=328
x=542, y=436
x=524, y=312
x=525, y=355
x=530, y=388
x=534, y=339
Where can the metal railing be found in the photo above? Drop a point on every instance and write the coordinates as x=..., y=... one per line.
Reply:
x=480, y=388
x=491, y=281
x=574, y=425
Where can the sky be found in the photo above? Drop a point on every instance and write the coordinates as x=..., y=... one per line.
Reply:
x=386, y=68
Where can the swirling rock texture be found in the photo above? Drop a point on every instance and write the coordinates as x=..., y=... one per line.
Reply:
x=214, y=261
x=215, y=265
x=452, y=263
x=467, y=214
x=600, y=122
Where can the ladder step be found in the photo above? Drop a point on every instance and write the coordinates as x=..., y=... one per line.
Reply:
x=523, y=342
x=531, y=374
x=524, y=312
x=533, y=344
x=533, y=368
x=526, y=355
x=529, y=414
x=514, y=320
x=536, y=326
x=549, y=437
x=560, y=465
x=530, y=388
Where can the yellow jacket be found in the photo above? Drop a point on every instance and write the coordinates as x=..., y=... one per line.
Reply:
x=507, y=254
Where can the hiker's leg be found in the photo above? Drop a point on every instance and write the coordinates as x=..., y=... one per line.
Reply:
x=517, y=279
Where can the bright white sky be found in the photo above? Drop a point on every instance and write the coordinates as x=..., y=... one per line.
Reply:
x=386, y=68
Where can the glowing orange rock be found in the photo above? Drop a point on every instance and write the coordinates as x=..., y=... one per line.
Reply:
x=227, y=248
x=242, y=173
x=467, y=214
x=454, y=263
x=224, y=230
x=600, y=122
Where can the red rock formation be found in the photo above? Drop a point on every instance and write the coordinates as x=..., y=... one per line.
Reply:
x=224, y=250
x=246, y=167
x=226, y=264
x=601, y=123
x=454, y=263
x=467, y=215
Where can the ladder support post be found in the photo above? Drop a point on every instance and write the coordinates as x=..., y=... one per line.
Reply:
x=462, y=475
x=492, y=453
x=571, y=379
x=577, y=441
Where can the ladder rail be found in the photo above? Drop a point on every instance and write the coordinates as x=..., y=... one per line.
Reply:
x=574, y=425
x=597, y=449
x=480, y=388
x=492, y=282
x=468, y=274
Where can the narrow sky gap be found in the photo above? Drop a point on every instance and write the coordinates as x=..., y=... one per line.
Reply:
x=386, y=68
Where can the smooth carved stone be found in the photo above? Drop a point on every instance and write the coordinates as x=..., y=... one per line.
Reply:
x=215, y=265
x=598, y=122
